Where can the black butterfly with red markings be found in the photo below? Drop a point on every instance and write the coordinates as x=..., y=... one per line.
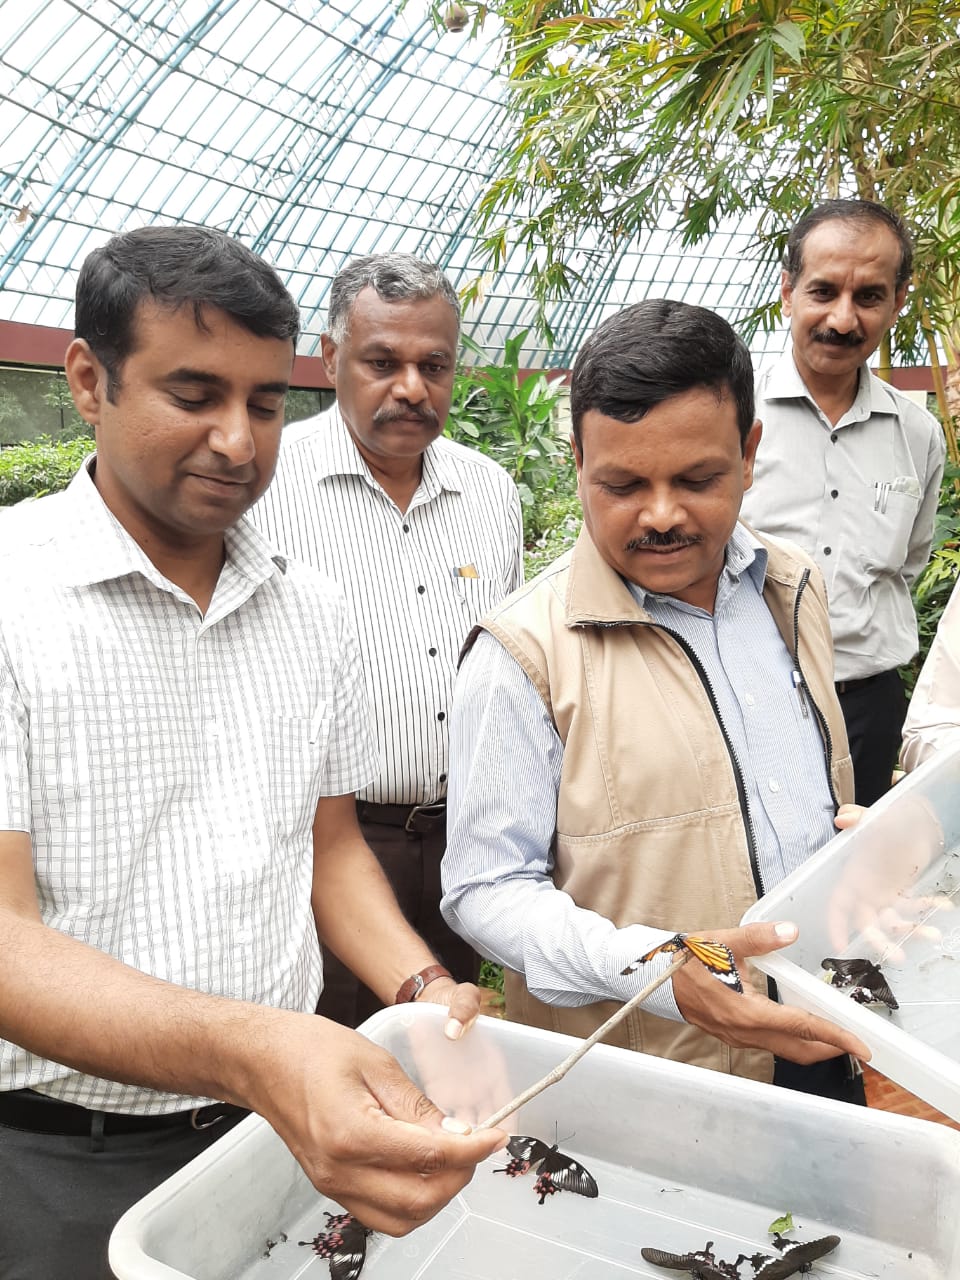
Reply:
x=862, y=980
x=555, y=1171
x=345, y=1243
x=795, y=1257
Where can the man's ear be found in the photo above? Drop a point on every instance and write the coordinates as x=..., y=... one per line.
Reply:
x=899, y=298
x=750, y=446
x=87, y=380
x=786, y=292
x=328, y=354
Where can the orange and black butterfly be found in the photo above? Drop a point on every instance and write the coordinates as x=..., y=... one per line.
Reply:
x=715, y=956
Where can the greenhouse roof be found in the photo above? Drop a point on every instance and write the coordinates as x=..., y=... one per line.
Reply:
x=311, y=132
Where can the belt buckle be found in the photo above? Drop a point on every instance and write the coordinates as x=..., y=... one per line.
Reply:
x=427, y=810
x=196, y=1123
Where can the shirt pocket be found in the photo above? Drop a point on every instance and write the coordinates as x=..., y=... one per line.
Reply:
x=478, y=596
x=886, y=531
x=298, y=756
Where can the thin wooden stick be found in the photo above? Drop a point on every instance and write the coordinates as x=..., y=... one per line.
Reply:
x=560, y=1071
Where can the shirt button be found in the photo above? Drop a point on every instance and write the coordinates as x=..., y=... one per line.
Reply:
x=432, y=652
x=834, y=437
x=774, y=785
x=406, y=528
x=834, y=493
x=749, y=699
x=441, y=715
x=443, y=777
x=826, y=551
x=421, y=590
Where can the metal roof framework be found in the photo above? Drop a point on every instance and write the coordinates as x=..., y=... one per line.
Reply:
x=310, y=131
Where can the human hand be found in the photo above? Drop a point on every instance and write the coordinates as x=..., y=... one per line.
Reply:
x=751, y=1020
x=362, y=1131
x=848, y=815
x=462, y=999
x=876, y=901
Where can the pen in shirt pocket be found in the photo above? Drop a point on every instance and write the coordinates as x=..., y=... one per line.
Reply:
x=316, y=723
x=465, y=571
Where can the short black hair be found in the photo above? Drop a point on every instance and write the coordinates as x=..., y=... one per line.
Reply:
x=862, y=211
x=175, y=267
x=654, y=350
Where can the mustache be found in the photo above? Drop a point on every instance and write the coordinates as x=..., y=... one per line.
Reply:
x=427, y=416
x=832, y=338
x=670, y=538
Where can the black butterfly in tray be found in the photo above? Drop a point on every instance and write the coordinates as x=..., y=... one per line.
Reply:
x=555, y=1171
x=862, y=980
x=795, y=1258
x=703, y=1264
x=715, y=956
x=344, y=1242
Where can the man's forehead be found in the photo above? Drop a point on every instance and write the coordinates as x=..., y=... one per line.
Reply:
x=869, y=250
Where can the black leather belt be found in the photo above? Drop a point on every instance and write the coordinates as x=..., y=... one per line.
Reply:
x=36, y=1113
x=417, y=818
x=848, y=686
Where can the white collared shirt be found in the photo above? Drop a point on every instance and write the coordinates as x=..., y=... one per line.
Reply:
x=416, y=581
x=167, y=765
x=859, y=497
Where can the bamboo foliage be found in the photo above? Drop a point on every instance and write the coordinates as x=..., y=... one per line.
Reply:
x=636, y=115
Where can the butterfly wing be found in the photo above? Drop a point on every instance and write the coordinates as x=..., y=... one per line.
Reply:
x=528, y=1151
x=672, y=1261
x=672, y=944
x=568, y=1174
x=861, y=974
x=874, y=981
x=796, y=1257
x=348, y=1257
x=715, y=956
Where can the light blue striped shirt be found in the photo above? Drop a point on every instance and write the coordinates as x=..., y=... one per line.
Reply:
x=505, y=760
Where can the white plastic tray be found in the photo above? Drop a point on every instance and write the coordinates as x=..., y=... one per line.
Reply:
x=681, y=1156
x=901, y=863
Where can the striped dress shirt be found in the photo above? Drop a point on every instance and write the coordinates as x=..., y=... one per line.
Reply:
x=416, y=581
x=168, y=764
x=503, y=807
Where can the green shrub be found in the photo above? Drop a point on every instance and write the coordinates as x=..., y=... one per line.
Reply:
x=39, y=467
x=931, y=591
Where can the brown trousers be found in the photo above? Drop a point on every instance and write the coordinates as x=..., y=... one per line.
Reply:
x=411, y=862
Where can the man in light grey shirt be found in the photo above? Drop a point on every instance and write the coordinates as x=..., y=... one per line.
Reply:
x=850, y=468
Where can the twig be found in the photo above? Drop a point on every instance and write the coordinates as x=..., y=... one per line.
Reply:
x=560, y=1071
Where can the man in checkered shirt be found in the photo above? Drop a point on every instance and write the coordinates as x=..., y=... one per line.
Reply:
x=183, y=726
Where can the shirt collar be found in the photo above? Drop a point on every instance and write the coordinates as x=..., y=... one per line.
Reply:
x=743, y=555
x=339, y=456
x=98, y=548
x=783, y=382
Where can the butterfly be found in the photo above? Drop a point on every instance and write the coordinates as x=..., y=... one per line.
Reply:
x=555, y=1171
x=862, y=981
x=703, y=1264
x=796, y=1257
x=345, y=1243
x=715, y=956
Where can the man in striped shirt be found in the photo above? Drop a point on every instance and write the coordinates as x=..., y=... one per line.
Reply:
x=424, y=536
x=183, y=725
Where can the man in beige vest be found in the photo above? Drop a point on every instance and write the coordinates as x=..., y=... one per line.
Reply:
x=674, y=745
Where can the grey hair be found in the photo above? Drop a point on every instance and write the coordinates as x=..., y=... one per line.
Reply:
x=396, y=277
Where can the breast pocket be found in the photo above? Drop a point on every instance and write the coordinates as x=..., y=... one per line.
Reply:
x=478, y=596
x=298, y=757
x=886, y=533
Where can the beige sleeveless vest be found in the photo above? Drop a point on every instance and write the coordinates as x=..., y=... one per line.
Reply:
x=649, y=824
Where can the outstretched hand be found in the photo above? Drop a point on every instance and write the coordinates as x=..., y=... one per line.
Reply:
x=751, y=1020
x=362, y=1131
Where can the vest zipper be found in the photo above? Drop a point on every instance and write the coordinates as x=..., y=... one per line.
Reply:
x=738, y=775
x=803, y=690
